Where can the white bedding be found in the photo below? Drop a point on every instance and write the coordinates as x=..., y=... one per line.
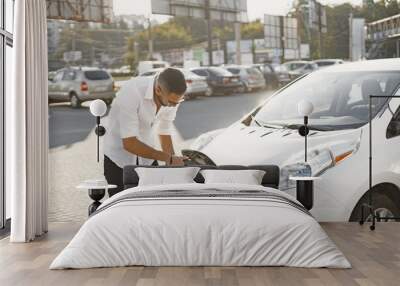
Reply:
x=200, y=231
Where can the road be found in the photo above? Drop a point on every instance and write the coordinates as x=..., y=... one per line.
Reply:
x=68, y=126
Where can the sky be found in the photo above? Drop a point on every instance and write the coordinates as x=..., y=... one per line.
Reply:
x=256, y=8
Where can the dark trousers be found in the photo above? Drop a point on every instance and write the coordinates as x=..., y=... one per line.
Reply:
x=113, y=175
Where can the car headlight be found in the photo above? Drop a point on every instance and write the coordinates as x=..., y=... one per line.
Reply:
x=319, y=161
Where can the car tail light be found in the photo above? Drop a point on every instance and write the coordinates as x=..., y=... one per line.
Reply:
x=189, y=81
x=84, y=86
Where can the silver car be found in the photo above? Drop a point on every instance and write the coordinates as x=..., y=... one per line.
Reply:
x=196, y=85
x=250, y=77
x=79, y=84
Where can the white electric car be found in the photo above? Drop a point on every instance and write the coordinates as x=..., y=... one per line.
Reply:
x=338, y=143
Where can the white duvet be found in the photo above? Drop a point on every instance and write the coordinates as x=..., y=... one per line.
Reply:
x=203, y=232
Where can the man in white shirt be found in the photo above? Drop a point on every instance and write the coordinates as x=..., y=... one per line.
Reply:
x=142, y=106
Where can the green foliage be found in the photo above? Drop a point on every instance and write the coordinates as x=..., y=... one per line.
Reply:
x=165, y=36
x=253, y=30
x=130, y=56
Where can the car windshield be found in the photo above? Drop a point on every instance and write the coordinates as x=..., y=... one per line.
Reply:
x=340, y=99
x=96, y=75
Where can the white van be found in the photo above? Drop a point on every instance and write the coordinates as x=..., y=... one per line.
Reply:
x=145, y=66
x=338, y=141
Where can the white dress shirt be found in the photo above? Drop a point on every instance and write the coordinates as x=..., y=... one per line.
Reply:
x=133, y=114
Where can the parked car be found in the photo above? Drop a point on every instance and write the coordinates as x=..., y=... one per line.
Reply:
x=299, y=68
x=196, y=85
x=275, y=75
x=328, y=62
x=338, y=143
x=145, y=66
x=250, y=77
x=282, y=73
x=79, y=84
x=220, y=81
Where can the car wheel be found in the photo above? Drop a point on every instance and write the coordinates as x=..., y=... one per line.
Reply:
x=385, y=200
x=75, y=102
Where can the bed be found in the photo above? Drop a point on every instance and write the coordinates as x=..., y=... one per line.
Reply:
x=198, y=224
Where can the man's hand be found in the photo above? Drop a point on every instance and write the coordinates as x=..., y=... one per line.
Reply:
x=177, y=160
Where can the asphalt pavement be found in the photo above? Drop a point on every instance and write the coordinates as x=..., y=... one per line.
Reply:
x=68, y=126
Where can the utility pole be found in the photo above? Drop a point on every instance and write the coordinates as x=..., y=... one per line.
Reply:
x=150, y=40
x=351, y=36
x=209, y=31
x=320, y=29
x=282, y=38
x=298, y=34
x=238, y=39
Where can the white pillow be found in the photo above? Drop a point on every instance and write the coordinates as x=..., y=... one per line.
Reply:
x=248, y=177
x=166, y=176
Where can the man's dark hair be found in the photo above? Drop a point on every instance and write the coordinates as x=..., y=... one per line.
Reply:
x=172, y=80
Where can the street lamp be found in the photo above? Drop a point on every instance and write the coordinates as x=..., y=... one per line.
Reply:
x=305, y=108
x=98, y=108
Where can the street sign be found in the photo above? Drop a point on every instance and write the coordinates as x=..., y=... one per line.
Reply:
x=72, y=56
x=226, y=10
x=80, y=10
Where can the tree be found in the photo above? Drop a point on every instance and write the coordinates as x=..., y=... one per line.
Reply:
x=130, y=56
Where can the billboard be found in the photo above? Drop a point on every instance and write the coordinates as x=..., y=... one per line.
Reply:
x=272, y=31
x=278, y=28
x=80, y=10
x=317, y=16
x=225, y=10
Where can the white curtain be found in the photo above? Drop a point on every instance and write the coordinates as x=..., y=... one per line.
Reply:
x=27, y=123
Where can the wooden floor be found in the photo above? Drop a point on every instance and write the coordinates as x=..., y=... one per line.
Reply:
x=375, y=257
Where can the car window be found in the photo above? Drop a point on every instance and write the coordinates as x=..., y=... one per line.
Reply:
x=308, y=67
x=69, y=75
x=324, y=64
x=157, y=66
x=233, y=70
x=219, y=71
x=96, y=75
x=148, y=73
x=200, y=72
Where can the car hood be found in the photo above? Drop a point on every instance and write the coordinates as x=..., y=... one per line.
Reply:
x=247, y=145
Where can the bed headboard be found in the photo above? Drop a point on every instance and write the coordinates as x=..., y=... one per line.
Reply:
x=270, y=179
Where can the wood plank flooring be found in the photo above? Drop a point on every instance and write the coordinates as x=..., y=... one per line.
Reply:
x=375, y=257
